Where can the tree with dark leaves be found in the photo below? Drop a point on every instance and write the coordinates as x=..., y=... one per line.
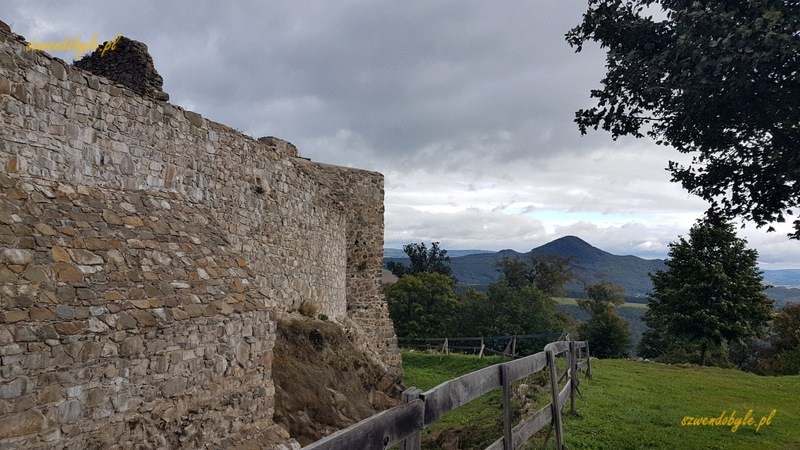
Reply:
x=548, y=273
x=423, y=260
x=718, y=80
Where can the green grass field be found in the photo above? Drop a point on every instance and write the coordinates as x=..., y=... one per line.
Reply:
x=629, y=404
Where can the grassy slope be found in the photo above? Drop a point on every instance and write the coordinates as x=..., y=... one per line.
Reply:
x=635, y=405
x=638, y=405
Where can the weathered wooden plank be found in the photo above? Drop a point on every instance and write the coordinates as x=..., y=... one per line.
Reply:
x=454, y=393
x=588, y=362
x=414, y=440
x=582, y=364
x=562, y=396
x=580, y=344
x=496, y=445
x=382, y=430
x=526, y=428
x=529, y=426
x=573, y=372
x=528, y=365
x=506, y=407
x=554, y=400
x=558, y=347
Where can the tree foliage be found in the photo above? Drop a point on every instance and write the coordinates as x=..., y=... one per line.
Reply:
x=783, y=355
x=710, y=294
x=423, y=305
x=603, y=297
x=719, y=80
x=609, y=335
x=547, y=273
x=423, y=259
x=507, y=309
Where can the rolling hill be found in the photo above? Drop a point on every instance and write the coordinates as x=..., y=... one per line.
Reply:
x=478, y=268
x=590, y=265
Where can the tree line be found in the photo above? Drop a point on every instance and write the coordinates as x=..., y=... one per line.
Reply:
x=707, y=307
x=424, y=302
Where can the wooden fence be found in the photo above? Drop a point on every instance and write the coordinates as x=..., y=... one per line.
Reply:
x=403, y=424
x=478, y=345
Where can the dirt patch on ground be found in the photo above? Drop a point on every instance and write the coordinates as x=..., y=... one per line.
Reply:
x=322, y=382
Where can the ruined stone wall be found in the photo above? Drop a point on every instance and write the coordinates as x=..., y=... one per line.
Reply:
x=143, y=253
x=361, y=198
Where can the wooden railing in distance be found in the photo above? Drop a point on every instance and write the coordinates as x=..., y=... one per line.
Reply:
x=403, y=424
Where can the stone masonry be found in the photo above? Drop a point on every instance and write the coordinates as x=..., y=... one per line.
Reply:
x=145, y=252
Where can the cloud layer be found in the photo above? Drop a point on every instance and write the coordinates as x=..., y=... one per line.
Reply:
x=466, y=106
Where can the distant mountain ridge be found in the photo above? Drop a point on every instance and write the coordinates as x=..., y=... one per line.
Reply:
x=591, y=264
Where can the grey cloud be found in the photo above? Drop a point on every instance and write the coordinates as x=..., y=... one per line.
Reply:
x=464, y=105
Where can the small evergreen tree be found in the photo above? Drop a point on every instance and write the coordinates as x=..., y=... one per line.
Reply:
x=711, y=293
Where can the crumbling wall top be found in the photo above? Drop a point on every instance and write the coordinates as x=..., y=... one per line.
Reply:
x=127, y=62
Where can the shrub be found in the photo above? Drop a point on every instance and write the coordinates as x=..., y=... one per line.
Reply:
x=308, y=309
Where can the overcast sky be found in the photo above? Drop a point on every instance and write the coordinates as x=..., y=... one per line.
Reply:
x=466, y=107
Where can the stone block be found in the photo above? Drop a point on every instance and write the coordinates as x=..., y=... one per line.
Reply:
x=131, y=347
x=16, y=256
x=14, y=388
x=67, y=273
x=59, y=254
x=21, y=424
x=173, y=387
x=85, y=257
x=69, y=411
x=13, y=316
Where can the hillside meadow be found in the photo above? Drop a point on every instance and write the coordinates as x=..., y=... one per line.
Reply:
x=629, y=404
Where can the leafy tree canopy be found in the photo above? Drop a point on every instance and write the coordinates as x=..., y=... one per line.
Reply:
x=423, y=305
x=506, y=309
x=719, y=80
x=603, y=298
x=423, y=259
x=547, y=273
x=712, y=290
x=609, y=335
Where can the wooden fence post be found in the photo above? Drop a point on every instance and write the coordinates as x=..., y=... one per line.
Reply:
x=514, y=346
x=413, y=442
x=482, y=347
x=588, y=362
x=506, y=407
x=551, y=362
x=573, y=375
x=445, y=348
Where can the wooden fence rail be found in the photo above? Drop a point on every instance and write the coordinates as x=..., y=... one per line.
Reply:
x=403, y=424
x=482, y=343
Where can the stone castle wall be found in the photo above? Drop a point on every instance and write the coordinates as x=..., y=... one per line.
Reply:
x=144, y=252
